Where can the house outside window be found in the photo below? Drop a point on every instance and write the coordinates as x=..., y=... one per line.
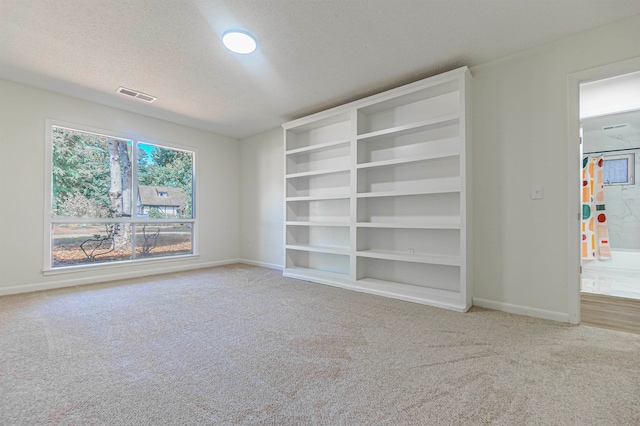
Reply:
x=115, y=199
x=160, y=201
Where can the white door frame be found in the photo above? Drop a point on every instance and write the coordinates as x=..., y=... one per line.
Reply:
x=573, y=196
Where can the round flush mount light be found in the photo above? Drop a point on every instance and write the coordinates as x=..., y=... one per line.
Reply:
x=239, y=41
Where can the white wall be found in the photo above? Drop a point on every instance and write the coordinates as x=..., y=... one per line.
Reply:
x=23, y=110
x=262, y=202
x=520, y=138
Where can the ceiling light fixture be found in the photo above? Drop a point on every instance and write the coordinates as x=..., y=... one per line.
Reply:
x=239, y=41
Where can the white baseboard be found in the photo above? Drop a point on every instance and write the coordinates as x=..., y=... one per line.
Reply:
x=262, y=264
x=483, y=303
x=521, y=310
x=28, y=288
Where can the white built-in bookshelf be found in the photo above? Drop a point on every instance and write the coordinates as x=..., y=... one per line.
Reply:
x=378, y=194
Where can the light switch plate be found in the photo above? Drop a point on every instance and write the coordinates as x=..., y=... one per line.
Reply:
x=537, y=192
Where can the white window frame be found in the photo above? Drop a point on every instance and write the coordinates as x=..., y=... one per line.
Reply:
x=631, y=165
x=49, y=221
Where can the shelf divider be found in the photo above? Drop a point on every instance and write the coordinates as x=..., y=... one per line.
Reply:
x=446, y=121
x=317, y=172
x=434, y=259
x=435, y=186
x=318, y=146
x=318, y=249
x=317, y=275
x=425, y=157
x=440, y=222
x=303, y=223
x=319, y=198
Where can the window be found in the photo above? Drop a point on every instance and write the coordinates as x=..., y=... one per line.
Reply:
x=619, y=169
x=116, y=199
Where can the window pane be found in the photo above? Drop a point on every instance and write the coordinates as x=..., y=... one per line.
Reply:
x=616, y=171
x=165, y=182
x=81, y=244
x=163, y=239
x=91, y=175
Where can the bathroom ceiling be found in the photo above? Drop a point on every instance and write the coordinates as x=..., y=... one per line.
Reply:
x=312, y=54
x=610, y=111
x=610, y=95
x=615, y=131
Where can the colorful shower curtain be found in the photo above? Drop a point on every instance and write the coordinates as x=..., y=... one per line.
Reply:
x=595, y=234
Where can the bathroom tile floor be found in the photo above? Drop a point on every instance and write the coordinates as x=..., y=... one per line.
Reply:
x=611, y=282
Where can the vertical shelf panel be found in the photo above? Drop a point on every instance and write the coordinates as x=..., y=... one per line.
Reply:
x=318, y=186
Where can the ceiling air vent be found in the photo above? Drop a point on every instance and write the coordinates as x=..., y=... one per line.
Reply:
x=135, y=94
x=615, y=126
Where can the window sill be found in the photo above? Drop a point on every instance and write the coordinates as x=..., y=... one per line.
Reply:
x=120, y=264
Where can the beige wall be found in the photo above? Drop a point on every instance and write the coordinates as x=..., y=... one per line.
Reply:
x=23, y=110
x=262, y=202
x=519, y=139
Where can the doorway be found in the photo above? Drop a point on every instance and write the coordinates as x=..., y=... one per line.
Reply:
x=610, y=202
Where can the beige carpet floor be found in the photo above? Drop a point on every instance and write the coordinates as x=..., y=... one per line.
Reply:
x=243, y=345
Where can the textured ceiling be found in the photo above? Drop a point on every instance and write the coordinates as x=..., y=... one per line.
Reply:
x=312, y=54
